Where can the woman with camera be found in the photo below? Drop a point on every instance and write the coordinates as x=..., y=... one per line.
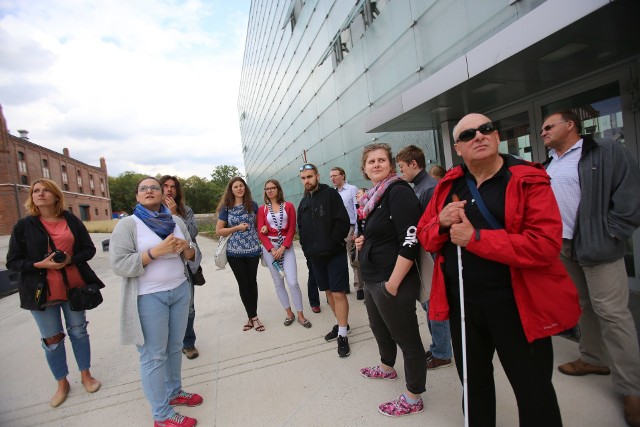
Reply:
x=42, y=284
x=149, y=249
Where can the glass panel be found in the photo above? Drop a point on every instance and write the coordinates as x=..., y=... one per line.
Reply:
x=515, y=135
x=600, y=111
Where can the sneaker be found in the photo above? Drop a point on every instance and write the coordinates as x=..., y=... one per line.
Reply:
x=376, y=372
x=191, y=352
x=176, y=420
x=316, y=309
x=334, y=333
x=360, y=295
x=435, y=363
x=343, y=347
x=186, y=399
x=400, y=407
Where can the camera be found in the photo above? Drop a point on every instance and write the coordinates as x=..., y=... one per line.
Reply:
x=58, y=256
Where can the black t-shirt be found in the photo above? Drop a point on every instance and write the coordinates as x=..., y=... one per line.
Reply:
x=484, y=280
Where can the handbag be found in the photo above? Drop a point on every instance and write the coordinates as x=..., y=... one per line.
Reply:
x=85, y=297
x=220, y=257
x=196, y=278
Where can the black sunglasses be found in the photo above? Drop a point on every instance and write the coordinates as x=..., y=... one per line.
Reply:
x=307, y=167
x=468, y=134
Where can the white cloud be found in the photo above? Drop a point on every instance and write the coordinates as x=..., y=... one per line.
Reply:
x=150, y=85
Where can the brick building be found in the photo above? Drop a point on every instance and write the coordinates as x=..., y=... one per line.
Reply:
x=85, y=187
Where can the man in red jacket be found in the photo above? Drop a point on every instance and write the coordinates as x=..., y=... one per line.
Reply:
x=501, y=211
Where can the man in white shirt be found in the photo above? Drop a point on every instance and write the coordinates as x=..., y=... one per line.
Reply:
x=348, y=194
x=596, y=186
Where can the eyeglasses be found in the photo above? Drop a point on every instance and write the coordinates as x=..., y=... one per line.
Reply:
x=468, y=134
x=145, y=188
x=271, y=189
x=307, y=167
x=547, y=128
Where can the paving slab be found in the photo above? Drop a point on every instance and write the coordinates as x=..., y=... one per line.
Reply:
x=284, y=376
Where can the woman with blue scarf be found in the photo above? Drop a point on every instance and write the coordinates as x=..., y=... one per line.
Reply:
x=151, y=250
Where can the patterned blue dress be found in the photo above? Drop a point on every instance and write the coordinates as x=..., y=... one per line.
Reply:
x=242, y=244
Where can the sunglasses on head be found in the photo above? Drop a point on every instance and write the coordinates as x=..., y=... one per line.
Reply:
x=307, y=167
x=468, y=134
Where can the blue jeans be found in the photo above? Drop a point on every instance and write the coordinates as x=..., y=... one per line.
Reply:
x=163, y=316
x=440, y=336
x=50, y=323
x=190, y=334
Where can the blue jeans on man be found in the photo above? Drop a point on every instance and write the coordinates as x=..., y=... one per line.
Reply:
x=190, y=334
x=440, y=336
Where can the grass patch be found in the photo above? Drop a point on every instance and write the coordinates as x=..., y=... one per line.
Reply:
x=105, y=226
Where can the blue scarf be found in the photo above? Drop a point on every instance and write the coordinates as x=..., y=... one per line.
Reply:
x=160, y=222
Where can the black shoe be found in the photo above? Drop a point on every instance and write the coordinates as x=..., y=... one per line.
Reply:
x=348, y=291
x=334, y=333
x=343, y=347
x=360, y=295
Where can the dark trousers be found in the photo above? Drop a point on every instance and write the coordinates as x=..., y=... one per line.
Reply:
x=246, y=271
x=312, y=287
x=528, y=366
x=190, y=334
x=394, y=323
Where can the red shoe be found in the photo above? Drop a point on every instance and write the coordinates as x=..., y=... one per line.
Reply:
x=176, y=420
x=316, y=309
x=186, y=399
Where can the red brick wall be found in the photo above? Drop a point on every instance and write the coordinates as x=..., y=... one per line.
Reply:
x=98, y=207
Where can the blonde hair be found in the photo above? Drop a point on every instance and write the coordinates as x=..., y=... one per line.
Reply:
x=54, y=189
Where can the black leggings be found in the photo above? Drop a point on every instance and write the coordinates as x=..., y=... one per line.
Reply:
x=246, y=272
x=528, y=366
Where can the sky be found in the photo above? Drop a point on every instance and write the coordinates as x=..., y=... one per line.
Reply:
x=151, y=85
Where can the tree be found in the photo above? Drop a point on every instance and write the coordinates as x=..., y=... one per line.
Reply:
x=220, y=178
x=123, y=191
x=199, y=194
x=223, y=173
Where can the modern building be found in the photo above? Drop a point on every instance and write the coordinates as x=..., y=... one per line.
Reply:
x=323, y=78
x=85, y=187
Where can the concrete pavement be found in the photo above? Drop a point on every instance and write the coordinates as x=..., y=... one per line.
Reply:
x=285, y=376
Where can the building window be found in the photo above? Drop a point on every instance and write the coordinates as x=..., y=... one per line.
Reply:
x=79, y=178
x=65, y=186
x=22, y=164
x=96, y=210
x=106, y=212
x=65, y=178
x=293, y=13
x=24, y=180
x=102, y=185
x=45, y=169
x=71, y=209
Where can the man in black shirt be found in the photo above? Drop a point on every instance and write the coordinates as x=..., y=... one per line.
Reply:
x=323, y=225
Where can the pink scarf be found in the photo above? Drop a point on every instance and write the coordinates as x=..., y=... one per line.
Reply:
x=371, y=198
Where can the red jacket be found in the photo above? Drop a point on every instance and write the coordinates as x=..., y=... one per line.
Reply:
x=289, y=232
x=530, y=244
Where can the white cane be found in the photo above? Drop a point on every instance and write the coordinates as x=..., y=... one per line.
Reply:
x=465, y=393
x=464, y=341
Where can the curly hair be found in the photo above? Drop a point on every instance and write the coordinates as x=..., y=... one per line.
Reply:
x=228, y=199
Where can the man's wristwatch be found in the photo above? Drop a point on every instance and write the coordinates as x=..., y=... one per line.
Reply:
x=192, y=245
